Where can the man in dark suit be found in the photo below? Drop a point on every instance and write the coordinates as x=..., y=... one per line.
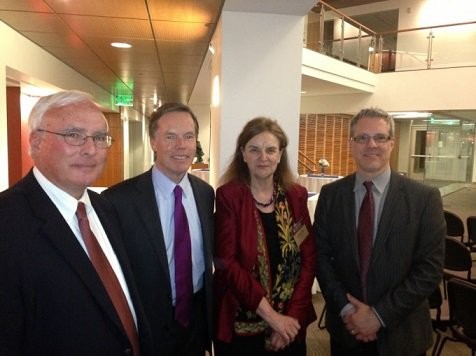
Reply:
x=53, y=297
x=145, y=205
x=376, y=297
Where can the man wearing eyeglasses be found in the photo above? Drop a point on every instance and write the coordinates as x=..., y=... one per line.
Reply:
x=66, y=287
x=380, y=242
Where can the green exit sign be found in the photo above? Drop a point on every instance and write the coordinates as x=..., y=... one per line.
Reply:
x=124, y=100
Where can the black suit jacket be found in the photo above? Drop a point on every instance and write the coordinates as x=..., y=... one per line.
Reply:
x=405, y=267
x=52, y=302
x=134, y=200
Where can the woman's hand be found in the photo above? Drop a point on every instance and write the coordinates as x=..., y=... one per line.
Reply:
x=277, y=343
x=285, y=326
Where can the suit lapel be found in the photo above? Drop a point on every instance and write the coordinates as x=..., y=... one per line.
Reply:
x=146, y=204
x=203, y=210
x=391, y=211
x=347, y=198
x=58, y=232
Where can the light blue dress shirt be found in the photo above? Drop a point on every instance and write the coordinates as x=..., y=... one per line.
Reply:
x=164, y=196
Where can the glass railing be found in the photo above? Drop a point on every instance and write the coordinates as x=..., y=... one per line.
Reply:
x=332, y=33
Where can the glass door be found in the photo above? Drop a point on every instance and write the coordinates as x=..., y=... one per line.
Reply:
x=449, y=151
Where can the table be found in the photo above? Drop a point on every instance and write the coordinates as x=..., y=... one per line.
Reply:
x=311, y=204
x=204, y=173
x=314, y=182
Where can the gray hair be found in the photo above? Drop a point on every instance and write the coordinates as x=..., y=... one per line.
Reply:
x=373, y=113
x=53, y=101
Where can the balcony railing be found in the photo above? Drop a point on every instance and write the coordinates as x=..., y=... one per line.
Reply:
x=332, y=33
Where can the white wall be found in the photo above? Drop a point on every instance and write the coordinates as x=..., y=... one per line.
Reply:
x=441, y=89
x=260, y=76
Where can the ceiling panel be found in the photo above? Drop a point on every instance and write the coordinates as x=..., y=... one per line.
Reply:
x=124, y=9
x=25, y=5
x=114, y=28
x=205, y=11
x=182, y=31
x=33, y=22
x=182, y=48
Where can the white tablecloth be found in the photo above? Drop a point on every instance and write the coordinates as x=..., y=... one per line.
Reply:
x=315, y=182
x=311, y=206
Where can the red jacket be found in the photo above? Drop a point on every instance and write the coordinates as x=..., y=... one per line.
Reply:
x=235, y=255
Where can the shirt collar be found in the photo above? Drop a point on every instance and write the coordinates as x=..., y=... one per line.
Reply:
x=65, y=203
x=380, y=182
x=165, y=186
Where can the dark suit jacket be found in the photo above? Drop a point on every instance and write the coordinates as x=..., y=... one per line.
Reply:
x=405, y=267
x=52, y=301
x=236, y=254
x=134, y=200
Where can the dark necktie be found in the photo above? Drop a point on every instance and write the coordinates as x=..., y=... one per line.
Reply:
x=365, y=234
x=108, y=278
x=183, y=262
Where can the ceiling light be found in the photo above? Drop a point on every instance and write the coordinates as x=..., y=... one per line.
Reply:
x=121, y=45
x=410, y=115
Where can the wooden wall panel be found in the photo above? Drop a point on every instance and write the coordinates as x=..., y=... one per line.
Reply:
x=114, y=170
x=325, y=136
x=14, y=135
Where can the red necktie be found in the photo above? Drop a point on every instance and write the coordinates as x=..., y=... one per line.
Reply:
x=108, y=277
x=365, y=234
x=183, y=262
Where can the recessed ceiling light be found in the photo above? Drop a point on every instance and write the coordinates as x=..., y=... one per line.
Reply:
x=121, y=45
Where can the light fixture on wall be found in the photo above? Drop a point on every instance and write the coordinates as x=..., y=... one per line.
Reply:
x=211, y=48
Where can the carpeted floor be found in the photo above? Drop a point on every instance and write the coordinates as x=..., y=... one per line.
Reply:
x=318, y=340
x=461, y=201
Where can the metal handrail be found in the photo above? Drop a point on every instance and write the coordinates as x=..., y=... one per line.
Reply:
x=375, y=58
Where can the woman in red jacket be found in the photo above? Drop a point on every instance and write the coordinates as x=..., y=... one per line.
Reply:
x=265, y=255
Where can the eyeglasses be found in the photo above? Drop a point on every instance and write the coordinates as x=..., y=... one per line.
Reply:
x=365, y=139
x=79, y=138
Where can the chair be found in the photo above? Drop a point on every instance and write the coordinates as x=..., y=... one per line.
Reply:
x=471, y=228
x=454, y=225
x=461, y=300
x=458, y=262
x=439, y=316
x=321, y=324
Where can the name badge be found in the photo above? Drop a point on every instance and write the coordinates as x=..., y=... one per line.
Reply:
x=300, y=233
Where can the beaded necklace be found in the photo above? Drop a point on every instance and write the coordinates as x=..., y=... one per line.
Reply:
x=268, y=203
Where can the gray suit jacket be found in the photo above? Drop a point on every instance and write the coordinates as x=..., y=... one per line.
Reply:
x=405, y=267
x=135, y=203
